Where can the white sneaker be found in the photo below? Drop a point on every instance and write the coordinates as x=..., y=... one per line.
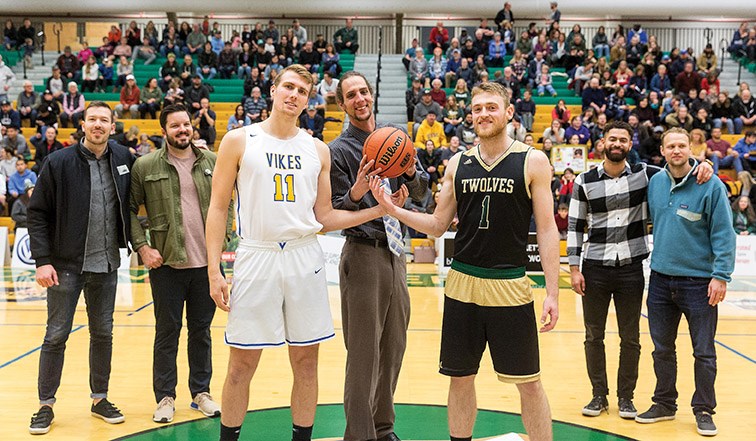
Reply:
x=204, y=403
x=165, y=410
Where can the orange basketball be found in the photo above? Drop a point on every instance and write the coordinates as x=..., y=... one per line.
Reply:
x=392, y=150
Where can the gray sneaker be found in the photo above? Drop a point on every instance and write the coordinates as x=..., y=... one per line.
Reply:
x=165, y=410
x=204, y=403
x=705, y=424
x=655, y=414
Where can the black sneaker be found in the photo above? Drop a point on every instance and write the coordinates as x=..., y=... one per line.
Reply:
x=597, y=405
x=41, y=421
x=655, y=414
x=627, y=409
x=108, y=412
x=705, y=424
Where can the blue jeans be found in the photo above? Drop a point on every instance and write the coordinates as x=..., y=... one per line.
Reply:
x=548, y=87
x=726, y=162
x=601, y=50
x=734, y=125
x=668, y=298
x=99, y=293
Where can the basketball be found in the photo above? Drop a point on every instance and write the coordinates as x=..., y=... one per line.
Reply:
x=391, y=149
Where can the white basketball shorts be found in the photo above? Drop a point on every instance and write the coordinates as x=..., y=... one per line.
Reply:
x=279, y=295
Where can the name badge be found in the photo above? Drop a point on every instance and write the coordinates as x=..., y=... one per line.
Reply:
x=122, y=170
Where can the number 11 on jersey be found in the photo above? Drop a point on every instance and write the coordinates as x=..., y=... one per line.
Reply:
x=279, y=180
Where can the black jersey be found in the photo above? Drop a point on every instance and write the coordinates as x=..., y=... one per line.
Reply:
x=494, y=209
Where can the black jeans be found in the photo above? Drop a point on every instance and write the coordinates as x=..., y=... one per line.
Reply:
x=99, y=293
x=171, y=288
x=624, y=284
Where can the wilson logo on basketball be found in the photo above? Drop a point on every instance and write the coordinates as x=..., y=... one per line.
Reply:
x=386, y=157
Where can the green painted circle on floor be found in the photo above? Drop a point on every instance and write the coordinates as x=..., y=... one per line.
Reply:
x=414, y=422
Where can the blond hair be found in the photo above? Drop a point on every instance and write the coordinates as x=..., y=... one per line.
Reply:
x=675, y=130
x=298, y=69
x=493, y=88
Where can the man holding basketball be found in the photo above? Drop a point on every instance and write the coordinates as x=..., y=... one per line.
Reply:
x=494, y=188
x=373, y=277
x=281, y=177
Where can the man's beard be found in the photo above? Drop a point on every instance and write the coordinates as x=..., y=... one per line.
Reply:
x=612, y=155
x=173, y=142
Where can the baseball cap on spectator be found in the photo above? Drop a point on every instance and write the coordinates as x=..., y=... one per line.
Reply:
x=426, y=91
x=684, y=52
x=665, y=57
x=130, y=77
x=5, y=103
x=47, y=92
x=658, y=129
x=311, y=107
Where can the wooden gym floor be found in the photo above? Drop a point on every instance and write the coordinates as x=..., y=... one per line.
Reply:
x=421, y=391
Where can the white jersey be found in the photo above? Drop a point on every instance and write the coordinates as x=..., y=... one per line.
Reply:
x=276, y=187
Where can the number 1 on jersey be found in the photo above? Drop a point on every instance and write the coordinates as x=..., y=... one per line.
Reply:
x=484, y=213
x=279, y=180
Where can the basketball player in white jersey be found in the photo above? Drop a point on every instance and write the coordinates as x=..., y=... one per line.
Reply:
x=282, y=179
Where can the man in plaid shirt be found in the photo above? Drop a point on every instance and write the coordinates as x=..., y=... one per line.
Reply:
x=609, y=202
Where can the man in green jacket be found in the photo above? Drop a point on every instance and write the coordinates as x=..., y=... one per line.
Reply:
x=345, y=39
x=174, y=185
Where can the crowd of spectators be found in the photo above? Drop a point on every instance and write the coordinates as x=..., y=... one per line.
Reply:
x=620, y=75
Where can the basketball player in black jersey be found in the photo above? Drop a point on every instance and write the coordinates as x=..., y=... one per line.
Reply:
x=495, y=188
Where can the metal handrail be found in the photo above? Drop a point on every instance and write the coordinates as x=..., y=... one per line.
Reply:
x=723, y=48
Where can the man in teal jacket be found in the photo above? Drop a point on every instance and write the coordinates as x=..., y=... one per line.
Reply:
x=692, y=260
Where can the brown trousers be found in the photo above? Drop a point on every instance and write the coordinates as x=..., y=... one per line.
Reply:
x=375, y=308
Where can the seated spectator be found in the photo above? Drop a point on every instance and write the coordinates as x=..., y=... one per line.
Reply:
x=204, y=120
x=195, y=93
x=15, y=140
x=73, y=107
x=561, y=113
x=724, y=113
x=410, y=53
x=312, y=123
x=330, y=61
x=123, y=49
x=18, y=181
x=526, y=109
x=20, y=207
x=90, y=76
x=56, y=85
x=45, y=145
x=739, y=40
x=455, y=146
x=698, y=145
x=10, y=35
x=8, y=116
x=146, y=51
x=452, y=65
x=566, y=184
x=508, y=80
x=480, y=68
x=681, y=119
x=327, y=88
x=68, y=64
x=617, y=107
x=195, y=41
x=238, y=119
x=346, y=38
x=317, y=101
x=174, y=94
x=544, y=82
x=650, y=148
x=107, y=74
x=593, y=97
x=418, y=67
x=150, y=99
x=660, y=83
x=635, y=51
x=562, y=220
x=216, y=42
x=129, y=99
x=721, y=154
x=743, y=216
x=425, y=106
x=702, y=121
x=645, y=113
x=583, y=75
x=470, y=52
x=432, y=130
x=168, y=72
x=555, y=133
x=125, y=68
x=707, y=61
x=208, y=63
x=285, y=51
x=745, y=108
x=515, y=130
x=601, y=43
x=84, y=53
x=746, y=149
x=481, y=42
x=227, y=62
x=170, y=44
x=437, y=66
x=133, y=34
x=309, y=57
x=320, y=44
x=105, y=50
x=687, y=80
x=47, y=116
x=429, y=156
x=525, y=45
x=465, y=73
x=577, y=128
x=466, y=132
x=437, y=93
x=438, y=38
x=453, y=116
x=254, y=105
x=496, y=51
x=412, y=96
